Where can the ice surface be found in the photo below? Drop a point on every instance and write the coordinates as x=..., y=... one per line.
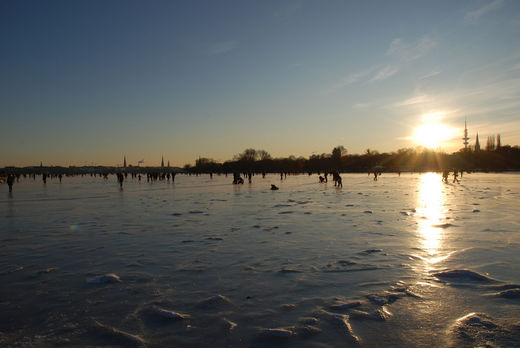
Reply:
x=205, y=262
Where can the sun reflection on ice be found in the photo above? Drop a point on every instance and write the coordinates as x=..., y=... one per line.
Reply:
x=430, y=215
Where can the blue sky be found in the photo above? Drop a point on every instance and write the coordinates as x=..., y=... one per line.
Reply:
x=87, y=81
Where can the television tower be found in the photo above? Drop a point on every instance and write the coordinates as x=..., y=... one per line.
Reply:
x=466, y=138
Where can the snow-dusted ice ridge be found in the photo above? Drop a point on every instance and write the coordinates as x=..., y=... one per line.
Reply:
x=404, y=261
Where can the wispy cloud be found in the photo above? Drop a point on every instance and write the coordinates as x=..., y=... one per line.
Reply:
x=217, y=48
x=352, y=78
x=432, y=74
x=406, y=51
x=414, y=101
x=384, y=73
x=474, y=15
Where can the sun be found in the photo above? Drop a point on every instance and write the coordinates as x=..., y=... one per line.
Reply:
x=432, y=133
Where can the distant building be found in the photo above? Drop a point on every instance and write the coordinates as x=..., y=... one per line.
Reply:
x=466, y=138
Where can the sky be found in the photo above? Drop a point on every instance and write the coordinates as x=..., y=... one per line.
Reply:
x=88, y=82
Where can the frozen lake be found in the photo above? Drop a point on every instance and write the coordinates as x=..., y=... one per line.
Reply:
x=400, y=261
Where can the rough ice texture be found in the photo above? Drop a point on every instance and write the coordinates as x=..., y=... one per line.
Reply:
x=421, y=254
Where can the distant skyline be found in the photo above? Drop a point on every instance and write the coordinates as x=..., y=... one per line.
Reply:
x=85, y=82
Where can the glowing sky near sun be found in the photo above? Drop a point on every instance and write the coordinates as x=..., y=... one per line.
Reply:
x=85, y=82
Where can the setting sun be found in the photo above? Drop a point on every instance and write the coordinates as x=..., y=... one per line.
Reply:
x=433, y=133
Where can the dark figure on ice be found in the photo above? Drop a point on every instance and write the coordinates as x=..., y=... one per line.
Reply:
x=455, y=176
x=375, y=175
x=445, y=174
x=237, y=179
x=10, y=181
x=322, y=179
x=44, y=178
x=337, y=179
x=120, y=179
x=274, y=187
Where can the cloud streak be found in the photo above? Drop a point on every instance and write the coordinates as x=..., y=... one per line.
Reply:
x=414, y=101
x=385, y=73
x=474, y=15
x=407, y=52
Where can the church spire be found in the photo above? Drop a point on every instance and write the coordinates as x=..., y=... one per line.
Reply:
x=162, y=161
x=124, y=161
x=477, y=144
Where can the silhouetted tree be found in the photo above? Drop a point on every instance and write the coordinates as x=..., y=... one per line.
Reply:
x=338, y=152
x=263, y=155
x=490, y=146
x=248, y=155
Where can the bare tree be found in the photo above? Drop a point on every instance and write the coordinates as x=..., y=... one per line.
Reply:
x=263, y=155
x=249, y=155
x=338, y=152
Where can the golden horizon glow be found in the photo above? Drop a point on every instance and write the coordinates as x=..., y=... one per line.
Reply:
x=432, y=133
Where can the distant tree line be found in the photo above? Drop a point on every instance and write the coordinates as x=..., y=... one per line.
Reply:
x=494, y=157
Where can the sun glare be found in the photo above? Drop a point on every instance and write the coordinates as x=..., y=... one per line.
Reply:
x=432, y=133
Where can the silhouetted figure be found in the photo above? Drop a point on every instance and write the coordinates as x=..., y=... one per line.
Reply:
x=44, y=178
x=249, y=177
x=337, y=179
x=375, y=175
x=120, y=179
x=274, y=187
x=322, y=179
x=139, y=177
x=263, y=175
x=10, y=181
x=445, y=174
x=60, y=177
x=173, y=177
x=455, y=176
x=281, y=176
x=237, y=179
x=326, y=177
